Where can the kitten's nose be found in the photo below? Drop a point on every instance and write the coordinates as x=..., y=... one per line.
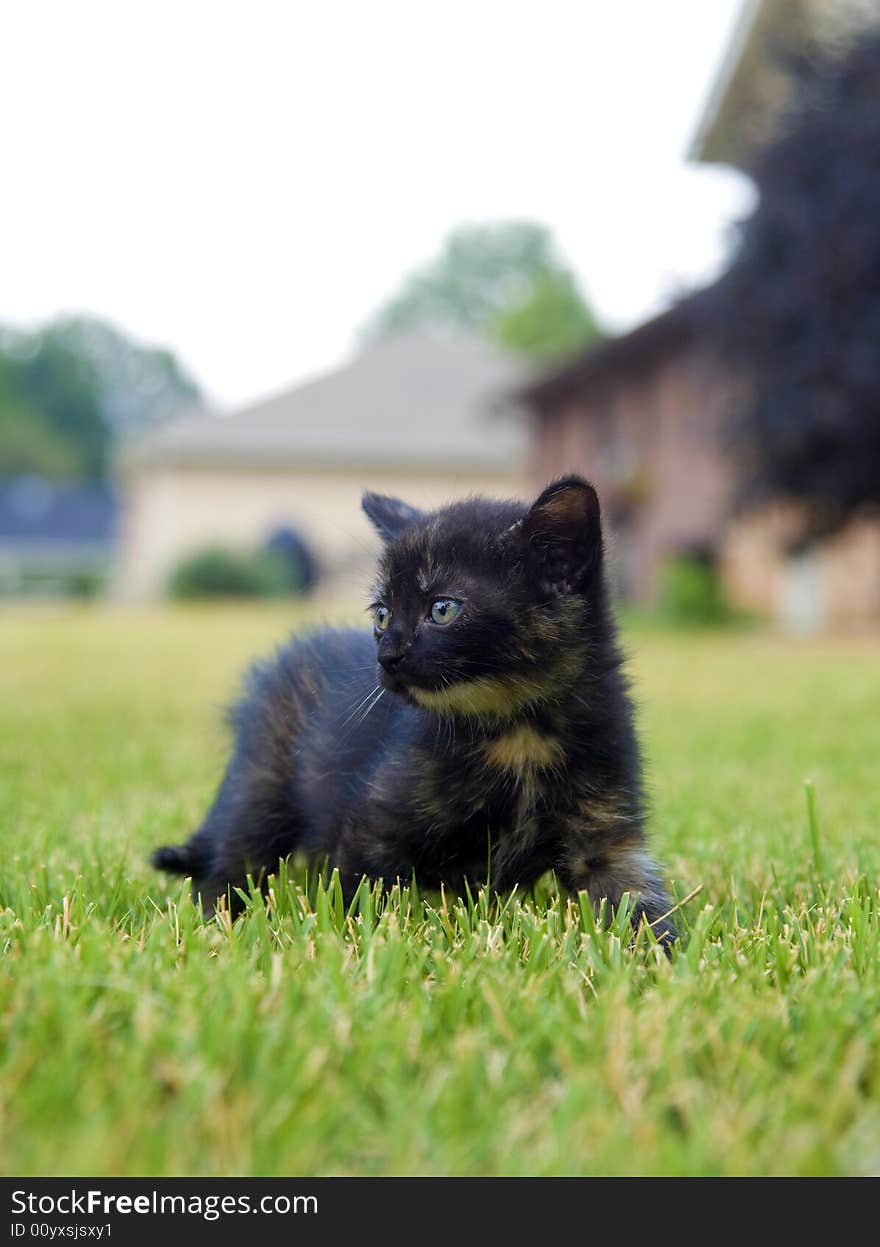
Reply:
x=392, y=660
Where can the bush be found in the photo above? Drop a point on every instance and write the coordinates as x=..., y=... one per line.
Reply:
x=691, y=593
x=53, y=579
x=221, y=572
x=86, y=583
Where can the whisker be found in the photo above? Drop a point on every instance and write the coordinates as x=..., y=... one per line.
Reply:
x=362, y=702
x=379, y=695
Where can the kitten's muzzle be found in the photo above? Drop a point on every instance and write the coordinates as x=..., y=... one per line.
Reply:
x=392, y=653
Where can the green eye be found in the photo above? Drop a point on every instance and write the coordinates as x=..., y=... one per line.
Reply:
x=444, y=610
x=381, y=618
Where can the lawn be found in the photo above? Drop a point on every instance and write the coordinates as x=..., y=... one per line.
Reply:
x=423, y=1035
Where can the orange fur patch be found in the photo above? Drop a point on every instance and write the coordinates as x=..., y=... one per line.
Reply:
x=524, y=749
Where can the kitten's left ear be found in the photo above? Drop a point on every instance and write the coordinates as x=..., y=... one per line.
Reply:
x=389, y=516
x=561, y=534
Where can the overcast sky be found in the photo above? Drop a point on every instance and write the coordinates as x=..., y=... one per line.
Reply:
x=246, y=181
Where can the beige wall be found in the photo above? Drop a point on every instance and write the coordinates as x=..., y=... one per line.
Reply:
x=169, y=511
x=836, y=584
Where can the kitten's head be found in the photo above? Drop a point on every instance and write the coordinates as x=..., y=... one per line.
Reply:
x=480, y=607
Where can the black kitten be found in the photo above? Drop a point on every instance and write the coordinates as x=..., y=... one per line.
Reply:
x=493, y=741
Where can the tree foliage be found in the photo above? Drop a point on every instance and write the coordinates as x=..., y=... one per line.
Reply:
x=69, y=389
x=505, y=280
x=799, y=311
x=551, y=322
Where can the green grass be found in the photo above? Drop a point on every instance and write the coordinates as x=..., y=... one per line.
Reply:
x=413, y=1036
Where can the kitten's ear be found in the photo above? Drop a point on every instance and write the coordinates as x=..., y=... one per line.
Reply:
x=389, y=516
x=561, y=534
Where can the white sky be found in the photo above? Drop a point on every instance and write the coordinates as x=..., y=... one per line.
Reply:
x=246, y=181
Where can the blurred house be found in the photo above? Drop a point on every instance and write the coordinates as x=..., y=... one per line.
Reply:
x=753, y=84
x=55, y=536
x=642, y=414
x=412, y=416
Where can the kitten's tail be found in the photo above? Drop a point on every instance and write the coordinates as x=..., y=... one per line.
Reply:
x=180, y=859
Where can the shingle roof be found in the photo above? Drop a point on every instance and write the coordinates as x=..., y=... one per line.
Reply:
x=625, y=357
x=753, y=83
x=412, y=401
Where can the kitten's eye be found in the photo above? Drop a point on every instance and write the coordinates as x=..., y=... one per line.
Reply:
x=444, y=610
x=381, y=618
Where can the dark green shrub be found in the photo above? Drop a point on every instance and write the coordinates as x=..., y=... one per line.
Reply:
x=691, y=594
x=86, y=583
x=53, y=579
x=217, y=571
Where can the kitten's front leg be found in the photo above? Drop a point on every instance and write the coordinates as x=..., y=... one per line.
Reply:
x=604, y=858
x=370, y=847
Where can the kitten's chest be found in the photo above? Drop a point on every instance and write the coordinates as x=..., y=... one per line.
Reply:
x=489, y=803
x=503, y=778
x=526, y=759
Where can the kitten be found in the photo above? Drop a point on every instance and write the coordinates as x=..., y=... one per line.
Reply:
x=493, y=740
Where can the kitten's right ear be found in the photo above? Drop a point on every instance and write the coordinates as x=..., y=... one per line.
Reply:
x=561, y=535
x=389, y=516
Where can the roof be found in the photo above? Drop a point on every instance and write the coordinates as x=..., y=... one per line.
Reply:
x=753, y=84
x=631, y=355
x=413, y=400
x=36, y=510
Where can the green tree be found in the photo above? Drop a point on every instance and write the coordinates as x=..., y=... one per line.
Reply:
x=505, y=280
x=797, y=315
x=29, y=444
x=69, y=389
x=551, y=322
x=138, y=385
x=58, y=390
